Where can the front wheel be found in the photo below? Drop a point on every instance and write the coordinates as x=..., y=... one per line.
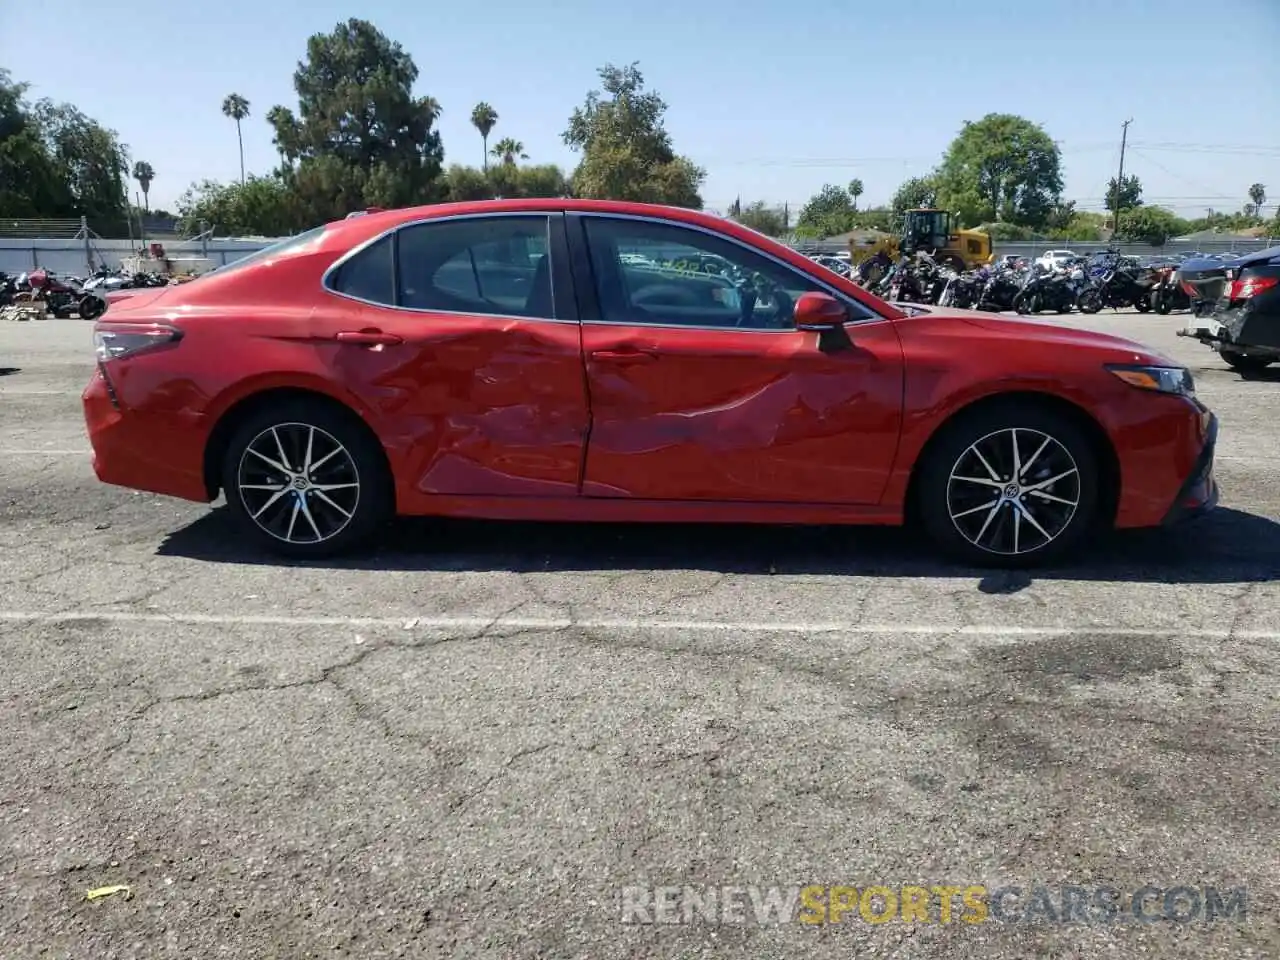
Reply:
x=1089, y=302
x=1142, y=304
x=1009, y=486
x=306, y=481
x=1160, y=303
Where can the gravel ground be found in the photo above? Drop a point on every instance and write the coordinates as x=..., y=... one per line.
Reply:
x=469, y=745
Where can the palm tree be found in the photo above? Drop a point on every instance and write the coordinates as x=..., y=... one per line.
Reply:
x=484, y=118
x=855, y=191
x=1258, y=194
x=237, y=108
x=144, y=173
x=508, y=150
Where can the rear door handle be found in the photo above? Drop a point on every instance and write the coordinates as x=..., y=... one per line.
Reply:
x=368, y=338
x=625, y=356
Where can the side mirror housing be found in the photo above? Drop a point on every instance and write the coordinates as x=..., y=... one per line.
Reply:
x=820, y=311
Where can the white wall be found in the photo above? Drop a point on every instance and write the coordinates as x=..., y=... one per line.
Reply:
x=69, y=257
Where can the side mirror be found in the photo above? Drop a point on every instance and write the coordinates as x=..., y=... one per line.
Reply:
x=819, y=311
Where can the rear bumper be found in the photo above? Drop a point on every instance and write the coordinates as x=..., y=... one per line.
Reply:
x=141, y=451
x=1199, y=492
x=1247, y=327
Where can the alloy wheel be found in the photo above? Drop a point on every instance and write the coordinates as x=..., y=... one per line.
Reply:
x=298, y=483
x=1014, y=491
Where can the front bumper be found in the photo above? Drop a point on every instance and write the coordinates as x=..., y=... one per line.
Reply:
x=1199, y=493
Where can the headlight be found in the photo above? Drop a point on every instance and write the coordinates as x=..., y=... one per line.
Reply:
x=1176, y=380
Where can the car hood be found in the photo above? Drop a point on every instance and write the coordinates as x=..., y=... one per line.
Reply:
x=1057, y=335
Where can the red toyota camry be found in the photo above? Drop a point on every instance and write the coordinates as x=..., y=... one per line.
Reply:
x=595, y=360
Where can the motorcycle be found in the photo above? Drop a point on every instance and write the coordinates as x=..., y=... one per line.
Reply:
x=1115, y=282
x=1167, y=293
x=1000, y=288
x=59, y=295
x=1045, y=289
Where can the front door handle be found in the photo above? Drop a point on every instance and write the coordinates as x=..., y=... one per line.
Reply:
x=369, y=338
x=624, y=356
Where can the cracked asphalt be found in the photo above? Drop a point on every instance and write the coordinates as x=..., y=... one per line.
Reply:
x=467, y=744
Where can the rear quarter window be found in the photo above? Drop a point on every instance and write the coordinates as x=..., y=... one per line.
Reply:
x=368, y=275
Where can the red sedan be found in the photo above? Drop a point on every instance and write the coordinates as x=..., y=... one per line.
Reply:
x=592, y=360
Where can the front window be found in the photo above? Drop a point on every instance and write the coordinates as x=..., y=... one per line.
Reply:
x=662, y=274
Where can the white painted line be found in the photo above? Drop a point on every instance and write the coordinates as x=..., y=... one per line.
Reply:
x=410, y=622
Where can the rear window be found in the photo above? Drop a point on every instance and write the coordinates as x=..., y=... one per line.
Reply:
x=281, y=248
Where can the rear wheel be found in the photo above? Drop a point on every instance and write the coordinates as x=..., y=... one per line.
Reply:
x=1010, y=486
x=1244, y=362
x=305, y=481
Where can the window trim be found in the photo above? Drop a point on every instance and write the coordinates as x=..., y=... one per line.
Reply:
x=580, y=216
x=326, y=278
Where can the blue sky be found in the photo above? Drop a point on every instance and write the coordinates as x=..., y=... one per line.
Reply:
x=774, y=99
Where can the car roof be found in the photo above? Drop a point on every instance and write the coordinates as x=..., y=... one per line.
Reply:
x=356, y=229
x=385, y=219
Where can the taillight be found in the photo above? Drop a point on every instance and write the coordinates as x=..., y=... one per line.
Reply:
x=123, y=340
x=1246, y=287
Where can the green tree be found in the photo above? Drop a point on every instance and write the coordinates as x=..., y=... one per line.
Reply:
x=144, y=173
x=360, y=137
x=90, y=160
x=829, y=212
x=1258, y=196
x=626, y=151
x=1129, y=196
x=29, y=182
x=261, y=206
x=508, y=150
x=875, y=218
x=542, y=180
x=762, y=218
x=1001, y=168
x=1153, y=225
x=855, y=191
x=913, y=193
x=484, y=118
x=236, y=107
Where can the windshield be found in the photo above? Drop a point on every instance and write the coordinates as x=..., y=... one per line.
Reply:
x=279, y=248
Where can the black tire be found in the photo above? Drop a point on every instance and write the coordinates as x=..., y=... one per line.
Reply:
x=1089, y=302
x=91, y=308
x=370, y=504
x=1142, y=304
x=1160, y=303
x=1245, y=363
x=938, y=497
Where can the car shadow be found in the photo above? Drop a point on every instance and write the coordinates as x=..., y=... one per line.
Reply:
x=1269, y=374
x=1228, y=546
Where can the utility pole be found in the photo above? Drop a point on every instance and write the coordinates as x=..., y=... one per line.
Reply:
x=1124, y=137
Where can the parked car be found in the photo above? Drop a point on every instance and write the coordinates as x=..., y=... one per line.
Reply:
x=1240, y=307
x=508, y=359
x=1056, y=259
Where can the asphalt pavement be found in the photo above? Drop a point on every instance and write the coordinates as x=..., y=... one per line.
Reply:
x=487, y=740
